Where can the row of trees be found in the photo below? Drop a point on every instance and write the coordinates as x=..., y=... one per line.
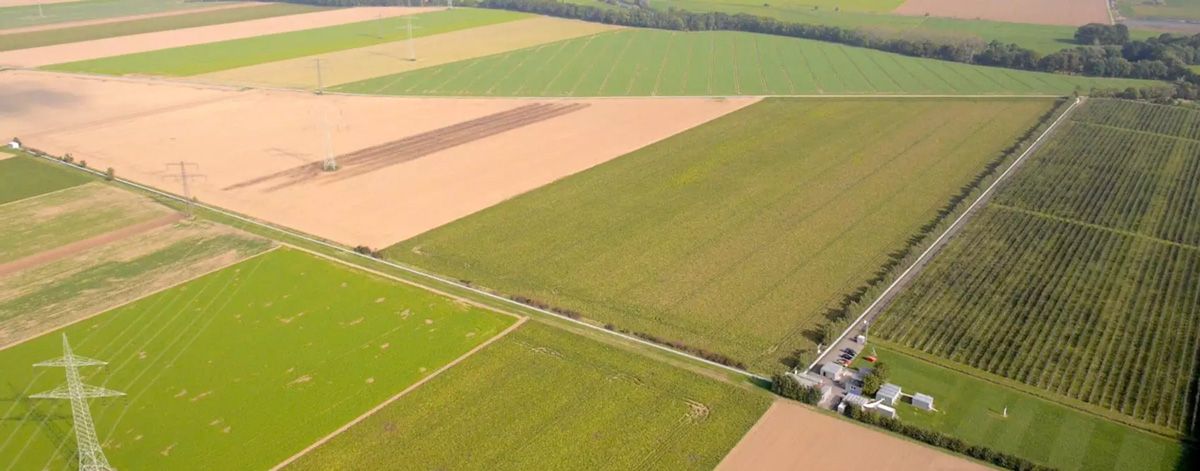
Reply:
x=941, y=440
x=784, y=385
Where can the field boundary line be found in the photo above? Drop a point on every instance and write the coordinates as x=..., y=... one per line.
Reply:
x=147, y=295
x=34, y=197
x=389, y=401
x=1113, y=230
x=952, y=228
x=1135, y=131
x=79, y=246
x=410, y=270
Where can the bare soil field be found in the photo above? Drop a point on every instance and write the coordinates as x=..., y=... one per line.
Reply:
x=790, y=436
x=41, y=56
x=100, y=21
x=392, y=58
x=405, y=184
x=1051, y=12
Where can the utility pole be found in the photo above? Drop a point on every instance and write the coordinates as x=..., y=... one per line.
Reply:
x=184, y=177
x=330, y=163
x=412, y=52
x=40, y=12
x=320, y=87
x=91, y=455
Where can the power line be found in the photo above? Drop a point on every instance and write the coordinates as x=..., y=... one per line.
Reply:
x=184, y=177
x=91, y=455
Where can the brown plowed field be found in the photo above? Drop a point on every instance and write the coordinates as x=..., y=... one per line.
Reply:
x=240, y=136
x=414, y=147
x=71, y=52
x=792, y=437
x=1051, y=12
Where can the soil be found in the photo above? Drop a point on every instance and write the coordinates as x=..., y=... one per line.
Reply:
x=1051, y=12
x=99, y=21
x=71, y=52
x=791, y=436
x=392, y=58
x=77, y=247
x=240, y=136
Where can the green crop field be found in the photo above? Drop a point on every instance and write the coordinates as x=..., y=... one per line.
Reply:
x=238, y=369
x=1041, y=38
x=22, y=177
x=541, y=398
x=213, y=57
x=147, y=25
x=1082, y=276
x=655, y=62
x=28, y=15
x=737, y=236
x=1036, y=429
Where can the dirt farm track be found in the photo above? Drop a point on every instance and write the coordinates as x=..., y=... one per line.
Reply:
x=408, y=164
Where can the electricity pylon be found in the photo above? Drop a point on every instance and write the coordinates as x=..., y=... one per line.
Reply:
x=185, y=177
x=91, y=455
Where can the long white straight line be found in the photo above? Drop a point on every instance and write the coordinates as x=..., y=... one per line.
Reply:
x=932, y=247
x=414, y=271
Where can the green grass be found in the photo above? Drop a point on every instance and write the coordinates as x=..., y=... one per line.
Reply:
x=541, y=398
x=27, y=15
x=147, y=25
x=250, y=364
x=213, y=57
x=656, y=62
x=22, y=177
x=972, y=409
x=738, y=235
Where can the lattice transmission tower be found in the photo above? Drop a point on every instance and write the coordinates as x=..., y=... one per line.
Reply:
x=91, y=455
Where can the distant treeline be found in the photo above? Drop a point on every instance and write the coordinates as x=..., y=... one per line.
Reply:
x=1105, y=51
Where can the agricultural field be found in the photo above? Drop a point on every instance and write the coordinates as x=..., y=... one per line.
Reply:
x=363, y=63
x=1163, y=9
x=517, y=403
x=657, y=62
x=52, y=12
x=231, y=357
x=1037, y=429
x=1082, y=277
x=217, y=56
x=23, y=177
x=29, y=39
x=1043, y=38
x=664, y=241
x=82, y=250
x=1055, y=12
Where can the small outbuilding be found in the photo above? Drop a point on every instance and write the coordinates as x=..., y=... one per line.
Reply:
x=852, y=400
x=886, y=411
x=14, y=144
x=889, y=394
x=810, y=380
x=922, y=401
x=832, y=370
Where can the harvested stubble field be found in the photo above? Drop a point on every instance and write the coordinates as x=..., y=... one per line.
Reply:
x=655, y=62
x=791, y=436
x=260, y=133
x=72, y=273
x=231, y=357
x=125, y=50
x=1054, y=12
x=736, y=237
x=204, y=57
x=62, y=12
x=362, y=63
x=188, y=19
x=23, y=177
x=1036, y=429
x=1082, y=278
x=541, y=398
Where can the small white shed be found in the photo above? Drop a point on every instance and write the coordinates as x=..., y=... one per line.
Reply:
x=831, y=370
x=922, y=401
x=886, y=411
x=889, y=394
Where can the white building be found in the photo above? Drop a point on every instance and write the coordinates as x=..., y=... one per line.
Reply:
x=886, y=411
x=810, y=380
x=922, y=401
x=889, y=394
x=14, y=144
x=832, y=370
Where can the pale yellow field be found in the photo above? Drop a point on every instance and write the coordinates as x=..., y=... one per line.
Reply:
x=392, y=58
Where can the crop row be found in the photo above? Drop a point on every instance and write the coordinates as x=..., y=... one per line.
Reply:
x=1166, y=120
x=1082, y=278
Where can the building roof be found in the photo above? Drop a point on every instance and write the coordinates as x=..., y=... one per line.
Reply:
x=831, y=367
x=888, y=390
x=918, y=397
x=806, y=379
x=855, y=399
